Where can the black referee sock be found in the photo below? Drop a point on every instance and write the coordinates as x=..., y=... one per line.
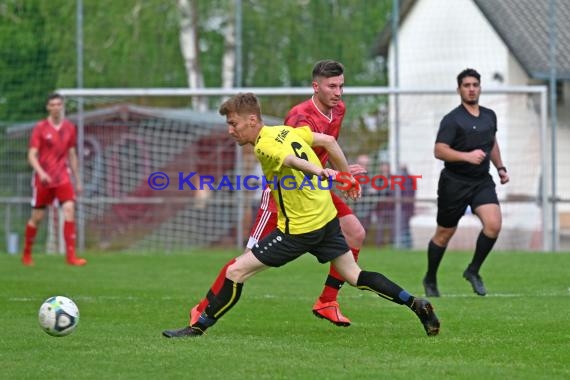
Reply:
x=220, y=304
x=434, y=254
x=482, y=249
x=381, y=285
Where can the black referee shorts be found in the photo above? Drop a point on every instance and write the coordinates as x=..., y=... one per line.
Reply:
x=455, y=193
x=279, y=248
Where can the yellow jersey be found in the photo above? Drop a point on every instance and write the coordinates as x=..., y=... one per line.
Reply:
x=304, y=202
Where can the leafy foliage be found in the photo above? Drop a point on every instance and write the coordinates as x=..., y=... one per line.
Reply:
x=136, y=44
x=27, y=75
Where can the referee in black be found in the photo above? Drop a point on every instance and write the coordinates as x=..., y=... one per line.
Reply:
x=467, y=143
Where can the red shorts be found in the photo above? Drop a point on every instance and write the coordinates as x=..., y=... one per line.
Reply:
x=44, y=196
x=266, y=221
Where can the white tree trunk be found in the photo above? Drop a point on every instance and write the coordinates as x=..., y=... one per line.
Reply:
x=229, y=58
x=190, y=49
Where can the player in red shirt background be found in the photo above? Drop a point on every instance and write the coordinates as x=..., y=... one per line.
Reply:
x=323, y=113
x=52, y=153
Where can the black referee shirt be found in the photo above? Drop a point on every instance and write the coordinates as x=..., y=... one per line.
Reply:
x=464, y=132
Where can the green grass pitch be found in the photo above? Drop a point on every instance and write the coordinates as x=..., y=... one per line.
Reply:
x=520, y=330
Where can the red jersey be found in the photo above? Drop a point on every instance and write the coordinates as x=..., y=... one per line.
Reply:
x=307, y=113
x=53, y=149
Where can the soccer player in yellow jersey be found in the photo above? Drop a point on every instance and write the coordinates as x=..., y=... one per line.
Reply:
x=307, y=219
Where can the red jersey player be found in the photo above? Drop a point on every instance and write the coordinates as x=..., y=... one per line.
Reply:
x=52, y=147
x=323, y=113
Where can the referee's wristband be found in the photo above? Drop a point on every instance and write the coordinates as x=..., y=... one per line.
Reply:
x=502, y=168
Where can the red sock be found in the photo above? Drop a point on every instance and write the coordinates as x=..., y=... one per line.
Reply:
x=335, y=281
x=332, y=286
x=216, y=286
x=355, y=253
x=329, y=294
x=29, y=240
x=69, y=237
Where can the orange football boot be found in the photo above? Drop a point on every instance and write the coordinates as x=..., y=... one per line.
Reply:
x=331, y=312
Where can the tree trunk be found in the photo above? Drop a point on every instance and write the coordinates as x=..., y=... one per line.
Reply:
x=229, y=58
x=190, y=49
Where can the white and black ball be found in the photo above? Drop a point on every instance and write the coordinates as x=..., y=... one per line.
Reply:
x=58, y=316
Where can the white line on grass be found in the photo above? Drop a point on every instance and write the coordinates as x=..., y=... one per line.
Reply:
x=259, y=296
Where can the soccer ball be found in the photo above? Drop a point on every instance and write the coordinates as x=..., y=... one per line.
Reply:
x=58, y=316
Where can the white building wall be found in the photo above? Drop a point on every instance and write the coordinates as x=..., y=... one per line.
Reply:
x=437, y=40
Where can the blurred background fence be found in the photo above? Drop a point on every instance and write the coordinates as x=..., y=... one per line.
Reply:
x=125, y=143
x=144, y=44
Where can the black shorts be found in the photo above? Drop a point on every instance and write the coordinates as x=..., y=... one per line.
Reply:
x=279, y=248
x=455, y=193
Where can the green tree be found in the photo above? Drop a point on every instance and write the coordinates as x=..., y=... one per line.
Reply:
x=27, y=75
x=135, y=43
x=298, y=33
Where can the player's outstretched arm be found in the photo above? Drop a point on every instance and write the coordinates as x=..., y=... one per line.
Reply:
x=292, y=161
x=338, y=159
x=336, y=156
x=350, y=186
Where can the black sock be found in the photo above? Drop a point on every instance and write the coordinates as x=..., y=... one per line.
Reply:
x=381, y=285
x=434, y=254
x=333, y=282
x=482, y=249
x=220, y=304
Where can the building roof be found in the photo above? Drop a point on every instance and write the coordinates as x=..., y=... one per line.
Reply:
x=126, y=112
x=523, y=25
